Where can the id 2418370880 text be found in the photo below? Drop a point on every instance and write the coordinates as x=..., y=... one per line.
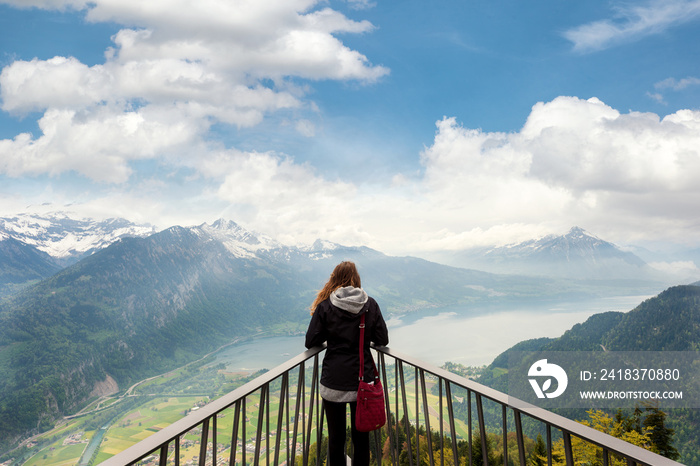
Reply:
x=631, y=374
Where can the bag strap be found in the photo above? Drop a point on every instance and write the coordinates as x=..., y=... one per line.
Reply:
x=362, y=350
x=362, y=346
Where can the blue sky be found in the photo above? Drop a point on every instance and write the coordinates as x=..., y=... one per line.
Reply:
x=407, y=126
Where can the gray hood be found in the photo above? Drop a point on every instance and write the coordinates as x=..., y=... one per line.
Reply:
x=349, y=299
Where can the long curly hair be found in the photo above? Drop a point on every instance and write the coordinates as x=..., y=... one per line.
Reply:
x=344, y=274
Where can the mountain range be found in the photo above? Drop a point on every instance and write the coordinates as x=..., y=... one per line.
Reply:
x=33, y=247
x=126, y=302
x=67, y=238
x=577, y=254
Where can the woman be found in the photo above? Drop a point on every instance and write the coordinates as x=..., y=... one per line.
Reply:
x=335, y=319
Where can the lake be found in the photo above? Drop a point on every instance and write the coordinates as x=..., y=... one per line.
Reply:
x=445, y=334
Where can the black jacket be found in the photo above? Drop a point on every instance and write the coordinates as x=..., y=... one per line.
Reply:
x=341, y=329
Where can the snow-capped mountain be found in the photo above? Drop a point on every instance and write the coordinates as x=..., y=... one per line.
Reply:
x=576, y=254
x=248, y=244
x=57, y=240
x=575, y=245
x=68, y=238
x=239, y=241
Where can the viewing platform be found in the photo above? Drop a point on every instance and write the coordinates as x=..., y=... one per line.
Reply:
x=278, y=419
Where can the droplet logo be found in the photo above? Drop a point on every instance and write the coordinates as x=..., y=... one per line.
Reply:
x=542, y=368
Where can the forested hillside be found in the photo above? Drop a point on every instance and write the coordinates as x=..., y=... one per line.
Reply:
x=21, y=264
x=138, y=305
x=667, y=322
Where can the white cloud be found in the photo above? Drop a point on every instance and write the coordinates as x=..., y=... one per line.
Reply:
x=306, y=128
x=586, y=145
x=574, y=162
x=674, y=85
x=179, y=67
x=56, y=83
x=677, y=84
x=632, y=22
x=657, y=97
x=98, y=143
x=361, y=4
x=474, y=174
x=284, y=198
x=683, y=270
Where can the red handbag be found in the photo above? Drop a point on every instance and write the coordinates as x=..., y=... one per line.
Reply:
x=370, y=413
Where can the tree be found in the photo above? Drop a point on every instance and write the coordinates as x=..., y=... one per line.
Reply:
x=477, y=450
x=661, y=436
x=538, y=456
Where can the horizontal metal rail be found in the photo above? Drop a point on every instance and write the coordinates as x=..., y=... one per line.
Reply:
x=299, y=418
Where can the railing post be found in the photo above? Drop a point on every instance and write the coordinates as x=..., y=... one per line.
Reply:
x=300, y=382
x=280, y=418
x=469, y=411
x=213, y=440
x=426, y=416
x=244, y=414
x=505, y=434
x=267, y=428
x=415, y=382
x=234, y=434
x=261, y=415
x=312, y=388
x=405, y=415
x=287, y=447
x=482, y=430
x=163, y=455
x=203, y=443
x=396, y=403
x=440, y=421
x=453, y=431
x=567, y=449
x=519, y=435
x=387, y=403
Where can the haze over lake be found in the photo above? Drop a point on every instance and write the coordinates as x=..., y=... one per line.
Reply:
x=445, y=334
x=477, y=339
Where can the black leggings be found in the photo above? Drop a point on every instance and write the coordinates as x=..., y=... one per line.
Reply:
x=336, y=415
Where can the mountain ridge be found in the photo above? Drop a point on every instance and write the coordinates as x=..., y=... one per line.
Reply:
x=576, y=254
x=68, y=238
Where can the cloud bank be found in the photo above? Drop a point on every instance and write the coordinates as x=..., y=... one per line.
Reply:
x=180, y=68
x=574, y=162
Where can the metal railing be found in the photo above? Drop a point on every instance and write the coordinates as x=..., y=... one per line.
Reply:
x=421, y=402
